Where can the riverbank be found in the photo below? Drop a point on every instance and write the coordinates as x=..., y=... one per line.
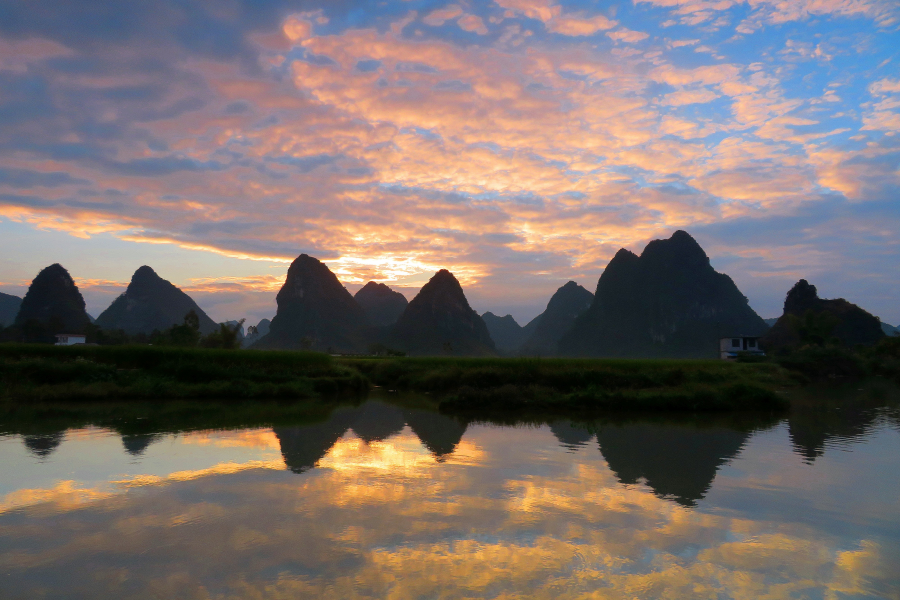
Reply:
x=35, y=372
x=471, y=384
x=88, y=373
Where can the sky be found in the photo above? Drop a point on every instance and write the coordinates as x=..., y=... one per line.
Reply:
x=518, y=143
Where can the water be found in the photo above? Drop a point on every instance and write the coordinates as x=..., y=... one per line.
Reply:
x=379, y=501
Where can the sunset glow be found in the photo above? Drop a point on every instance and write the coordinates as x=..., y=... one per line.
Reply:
x=518, y=143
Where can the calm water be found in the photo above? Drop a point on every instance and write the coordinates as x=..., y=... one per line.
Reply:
x=385, y=502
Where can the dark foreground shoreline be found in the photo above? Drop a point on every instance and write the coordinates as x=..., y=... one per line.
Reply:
x=37, y=373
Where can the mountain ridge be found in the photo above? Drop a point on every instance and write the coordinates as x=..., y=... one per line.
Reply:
x=667, y=302
x=315, y=312
x=54, y=301
x=439, y=321
x=151, y=303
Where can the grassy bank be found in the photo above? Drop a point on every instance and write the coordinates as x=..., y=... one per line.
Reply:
x=36, y=372
x=466, y=385
x=88, y=373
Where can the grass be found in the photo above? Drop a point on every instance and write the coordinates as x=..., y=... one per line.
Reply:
x=469, y=384
x=41, y=373
x=46, y=373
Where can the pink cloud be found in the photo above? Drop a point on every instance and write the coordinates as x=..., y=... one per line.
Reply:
x=472, y=23
x=627, y=35
x=437, y=17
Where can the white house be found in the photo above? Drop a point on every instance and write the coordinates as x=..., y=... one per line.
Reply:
x=730, y=346
x=69, y=339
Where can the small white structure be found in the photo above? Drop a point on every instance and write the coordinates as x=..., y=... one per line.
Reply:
x=69, y=339
x=730, y=347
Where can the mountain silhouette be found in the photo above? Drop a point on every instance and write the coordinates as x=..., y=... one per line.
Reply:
x=43, y=445
x=382, y=305
x=566, y=304
x=440, y=321
x=506, y=333
x=439, y=433
x=136, y=443
x=54, y=302
x=676, y=461
x=9, y=308
x=571, y=436
x=890, y=330
x=255, y=333
x=315, y=312
x=808, y=318
x=812, y=431
x=667, y=302
x=376, y=421
x=304, y=446
x=151, y=303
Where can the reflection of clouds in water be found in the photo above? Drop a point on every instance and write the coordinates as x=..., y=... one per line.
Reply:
x=250, y=438
x=64, y=496
x=402, y=506
x=386, y=519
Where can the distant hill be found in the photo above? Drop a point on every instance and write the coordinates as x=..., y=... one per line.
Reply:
x=771, y=321
x=151, y=303
x=9, y=308
x=383, y=306
x=54, y=302
x=506, y=333
x=564, y=307
x=810, y=319
x=667, y=302
x=315, y=312
x=440, y=321
x=255, y=333
x=890, y=330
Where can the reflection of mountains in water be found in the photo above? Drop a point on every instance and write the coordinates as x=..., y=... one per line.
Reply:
x=838, y=416
x=678, y=461
x=571, y=436
x=43, y=445
x=136, y=443
x=813, y=431
x=303, y=446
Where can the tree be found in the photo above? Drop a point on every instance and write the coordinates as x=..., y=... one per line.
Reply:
x=187, y=334
x=226, y=337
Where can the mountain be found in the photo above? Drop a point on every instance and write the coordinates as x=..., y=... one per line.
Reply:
x=9, y=308
x=315, y=312
x=382, y=305
x=890, y=330
x=255, y=333
x=506, y=333
x=771, y=321
x=151, y=303
x=565, y=305
x=53, y=300
x=810, y=319
x=667, y=302
x=440, y=321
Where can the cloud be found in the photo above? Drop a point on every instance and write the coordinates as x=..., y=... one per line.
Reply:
x=472, y=23
x=558, y=512
x=437, y=17
x=695, y=96
x=627, y=35
x=357, y=133
x=574, y=26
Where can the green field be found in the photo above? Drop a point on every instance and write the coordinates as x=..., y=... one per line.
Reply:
x=40, y=373
x=47, y=373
